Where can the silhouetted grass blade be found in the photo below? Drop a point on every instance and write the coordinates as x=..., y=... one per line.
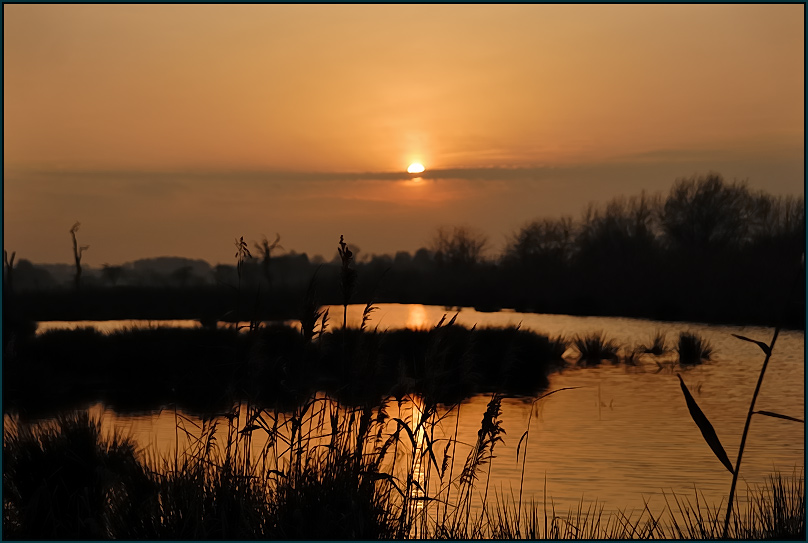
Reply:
x=376, y=475
x=429, y=450
x=706, y=428
x=406, y=427
x=760, y=344
x=521, y=439
x=519, y=446
x=779, y=416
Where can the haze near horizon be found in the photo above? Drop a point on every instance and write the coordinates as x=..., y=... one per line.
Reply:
x=172, y=129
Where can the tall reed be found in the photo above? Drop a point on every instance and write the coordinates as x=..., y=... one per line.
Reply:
x=323, y=471
x=694, y=347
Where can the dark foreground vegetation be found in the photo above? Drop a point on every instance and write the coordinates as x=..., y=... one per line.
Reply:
x=325, y=472
x=685, y=256
x=273, y=459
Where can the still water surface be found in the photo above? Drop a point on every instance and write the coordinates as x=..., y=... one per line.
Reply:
x=624, y=436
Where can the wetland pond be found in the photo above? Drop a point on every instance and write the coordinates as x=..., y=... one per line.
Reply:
x=621, y=439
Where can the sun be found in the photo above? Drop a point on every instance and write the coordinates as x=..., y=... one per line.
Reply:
x=415, y=167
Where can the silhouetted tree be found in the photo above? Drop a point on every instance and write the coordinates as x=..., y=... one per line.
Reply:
x=540, y=243
x=182, y=276
x=77, y=252
x=403, y=259
x=462, y=246
x=423, y=258
x=705, y=214
x=291, y=268
x=224, y=274
x=111, y=274
x=621, y=233
x=777, y=220
x=30, y=277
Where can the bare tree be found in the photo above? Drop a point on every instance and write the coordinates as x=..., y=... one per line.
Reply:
x=459, y=246
x=621, y=230
x=77, y=252
x=705, y=213
x=542, y=241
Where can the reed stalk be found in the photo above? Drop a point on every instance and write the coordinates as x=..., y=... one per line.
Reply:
x=768, y=350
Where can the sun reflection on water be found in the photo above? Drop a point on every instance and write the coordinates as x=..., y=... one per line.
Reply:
x=417, y=318
x=419, y=472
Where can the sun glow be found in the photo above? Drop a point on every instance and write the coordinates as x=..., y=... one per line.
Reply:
x=417, y=318
x=415, y=167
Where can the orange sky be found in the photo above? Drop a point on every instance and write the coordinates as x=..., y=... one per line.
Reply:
x=167, y=129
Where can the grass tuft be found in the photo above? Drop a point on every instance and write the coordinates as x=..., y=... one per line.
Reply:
x=657, y=346
x=595, y=348
x=693, y=349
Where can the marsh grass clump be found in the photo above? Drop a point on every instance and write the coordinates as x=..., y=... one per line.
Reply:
x=775, y=510
x=515, y=360
x=693, y=349
x=66, y=479
x=338, y=491
x=558, y=346
x=595, y=348
x=657, y=346
x=210, y=490
x=631, y=356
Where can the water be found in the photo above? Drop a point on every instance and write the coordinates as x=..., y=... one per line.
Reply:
x=624, y=436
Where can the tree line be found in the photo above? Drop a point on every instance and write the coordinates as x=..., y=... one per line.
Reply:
x=709, y=250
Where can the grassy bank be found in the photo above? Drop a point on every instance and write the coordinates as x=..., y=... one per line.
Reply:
x=205, y=370
x=324, y=472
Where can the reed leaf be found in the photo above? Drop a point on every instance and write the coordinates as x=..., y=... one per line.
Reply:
x=380, y=475
x=706, y=428
x=404, y=425
x=765, y=348
x=429, y=450
x=779, y=416
x=520, y=444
